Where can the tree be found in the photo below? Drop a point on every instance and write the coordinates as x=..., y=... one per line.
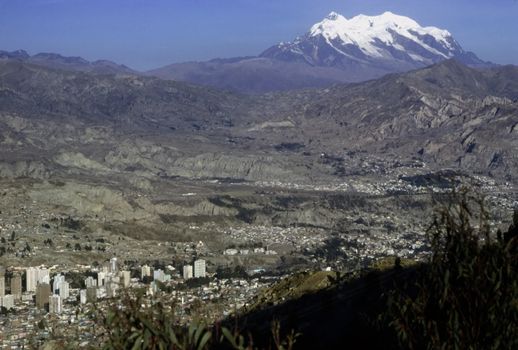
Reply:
x=465, y=296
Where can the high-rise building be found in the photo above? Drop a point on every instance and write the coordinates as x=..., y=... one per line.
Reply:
x=34, y=276
x=44, y=276
x=187, y=272
x=82, y=296
x=42, y=295
x=58, y=279
x=90, y=282
x=199, y=268
x=31, y=279
x=158, y=275
x=145, y=271
x=112, y=285
x=2, y=284
x=64, y=290
x=125, y=277
x=100, y=278
x=16, y=286
x=55, y=306
x=113, y=265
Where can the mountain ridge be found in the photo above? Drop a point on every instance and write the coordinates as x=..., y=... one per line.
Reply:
x=447, y=114
x=74, y=63
x=388, y=40
x=329, y=53
x=137, y=134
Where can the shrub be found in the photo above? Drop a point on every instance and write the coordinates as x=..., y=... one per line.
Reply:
x=127, y=325
x=466, y=296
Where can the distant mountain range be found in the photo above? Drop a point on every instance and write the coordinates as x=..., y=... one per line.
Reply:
x=137, y=133
x=57, y=61
x=333, y=50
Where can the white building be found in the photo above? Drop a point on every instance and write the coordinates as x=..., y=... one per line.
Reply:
x=44, y=276
x=7, y=301
x=64, y=290
x=145, y=271
x=31, y=279
x=230, y=251
x=113, y=265
x=100, y=278
x=153, y=288
x=187, y=272
x=55, y=306
x=34, y=276
x=58, y=279
x=90, y=282
x=158, y=275
x=199, y=268
x=82, y=296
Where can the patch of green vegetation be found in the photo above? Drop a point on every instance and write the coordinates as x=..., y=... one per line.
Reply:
x=466, y=295
x=243, y=214
x=131, y=327
x=389, y=263
x=72, y=224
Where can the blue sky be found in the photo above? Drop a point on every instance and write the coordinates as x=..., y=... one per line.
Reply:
x=145, y=34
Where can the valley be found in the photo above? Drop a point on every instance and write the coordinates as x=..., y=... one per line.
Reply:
x=169, y=156
x=337, y=165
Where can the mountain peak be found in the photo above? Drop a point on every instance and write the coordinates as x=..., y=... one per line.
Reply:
x=388, y=40
x=333, y=16
x=366, y=29
x=18, y=54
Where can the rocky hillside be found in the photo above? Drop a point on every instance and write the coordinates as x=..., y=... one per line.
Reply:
x=200, y=154
x=446, y=115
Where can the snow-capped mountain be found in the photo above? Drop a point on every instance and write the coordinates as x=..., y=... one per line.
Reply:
x=335, y=50
x=387, y=41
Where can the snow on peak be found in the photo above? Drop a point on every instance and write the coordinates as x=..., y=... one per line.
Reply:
x=333, y=16
x=367, y=32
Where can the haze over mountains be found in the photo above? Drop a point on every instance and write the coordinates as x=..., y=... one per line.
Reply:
x=333, y=50
x=54, y=60
x=66, y=118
